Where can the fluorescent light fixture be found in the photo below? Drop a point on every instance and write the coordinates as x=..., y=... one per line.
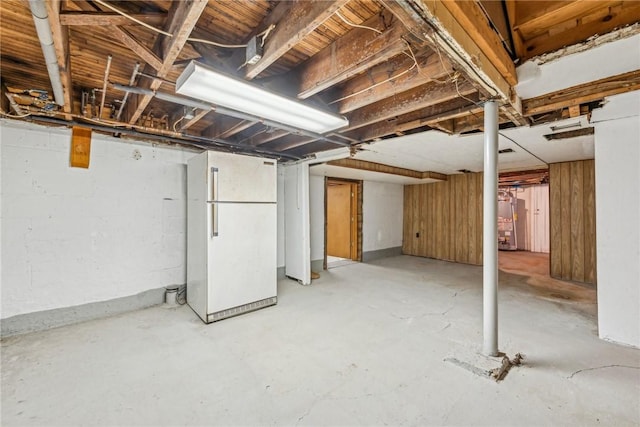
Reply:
x=202, y=82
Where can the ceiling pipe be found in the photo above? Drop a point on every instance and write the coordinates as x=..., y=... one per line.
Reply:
x=126, y=95
x=193, y=140
x=43, y=28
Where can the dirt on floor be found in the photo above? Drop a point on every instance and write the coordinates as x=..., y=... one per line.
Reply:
x=533, y=271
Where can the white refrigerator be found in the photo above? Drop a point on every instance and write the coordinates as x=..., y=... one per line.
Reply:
x=231, y=234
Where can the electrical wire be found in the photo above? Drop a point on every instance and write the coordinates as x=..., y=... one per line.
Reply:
x=431, y=41
x=415, y=64
x=144, y=24
x=356, y=25
x=14, y=116
x=263, y=34
x=514, y=141
x=176, y=123
x=181, y=295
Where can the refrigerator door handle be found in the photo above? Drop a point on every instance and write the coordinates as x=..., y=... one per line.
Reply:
x=213, y=206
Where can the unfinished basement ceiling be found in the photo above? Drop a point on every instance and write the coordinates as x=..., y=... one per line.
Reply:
x=391, y=67
x=437, y=152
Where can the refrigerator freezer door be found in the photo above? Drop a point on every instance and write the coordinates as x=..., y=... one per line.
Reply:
x=242, y=257
x=243, y=178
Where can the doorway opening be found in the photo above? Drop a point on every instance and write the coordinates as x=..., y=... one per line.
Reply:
x=523, y=224
x=523, y=229
x=343, y=222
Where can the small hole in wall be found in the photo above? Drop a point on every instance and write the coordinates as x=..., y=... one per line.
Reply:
x=137, y=155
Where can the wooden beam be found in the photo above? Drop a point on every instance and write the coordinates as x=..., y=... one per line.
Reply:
x=420, y=118
x=471, y=122
x=61, y=44
x=225, y=127
x=196, y=118
x=474, y=22
x=358, y=50
x=288, y=142
x=628, y=13
x=138, y=48
x=581, y=94
x=109, y=18
x=574, y=111
x=534, y=18
x=406, y=102
x=453, y=41
x=429, y=67
x=518, y=43
x=264, y=137
x=380, y=168
x=293, y=21
x=183, y=16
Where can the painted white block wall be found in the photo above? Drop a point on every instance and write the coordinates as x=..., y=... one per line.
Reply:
x=617, y=149
x=72, y=236
x=382, y=205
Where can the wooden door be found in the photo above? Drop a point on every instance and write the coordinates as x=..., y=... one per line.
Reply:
x=339, y=219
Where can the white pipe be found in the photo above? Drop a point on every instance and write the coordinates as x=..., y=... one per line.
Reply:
x=104, y=85
x=490, y=231
x=126, y=95
x=41, y=21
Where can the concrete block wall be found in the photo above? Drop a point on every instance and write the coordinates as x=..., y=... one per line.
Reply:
x=74, y=236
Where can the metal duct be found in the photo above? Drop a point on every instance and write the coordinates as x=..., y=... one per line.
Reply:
x=41, y=21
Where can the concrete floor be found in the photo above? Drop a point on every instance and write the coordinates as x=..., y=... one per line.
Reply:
x=363, y=345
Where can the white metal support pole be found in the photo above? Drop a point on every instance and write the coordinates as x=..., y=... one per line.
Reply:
x=490, y=228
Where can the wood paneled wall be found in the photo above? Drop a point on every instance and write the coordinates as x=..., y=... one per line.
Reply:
x=572, y=216
x=444, y=220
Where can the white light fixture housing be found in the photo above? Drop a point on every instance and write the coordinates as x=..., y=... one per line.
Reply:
x=202, y=82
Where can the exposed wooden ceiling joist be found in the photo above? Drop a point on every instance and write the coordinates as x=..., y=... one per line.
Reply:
x=406, y=102
x=393, y=170
x=196, y=118
x=472, y=19
x=293, y=22
x=369, y=87
x=358, y=50
x=110, y=18
x=183, y=17
x=424, y=117
x=266, y=136
x=136, y=47
x=576, y=95
x=542, y=27
x=453, y=40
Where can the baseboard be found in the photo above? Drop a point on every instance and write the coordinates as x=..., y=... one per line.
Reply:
x=381, y=253
x=42, y=320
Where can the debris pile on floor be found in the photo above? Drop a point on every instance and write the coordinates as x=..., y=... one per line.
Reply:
x=498, y=373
